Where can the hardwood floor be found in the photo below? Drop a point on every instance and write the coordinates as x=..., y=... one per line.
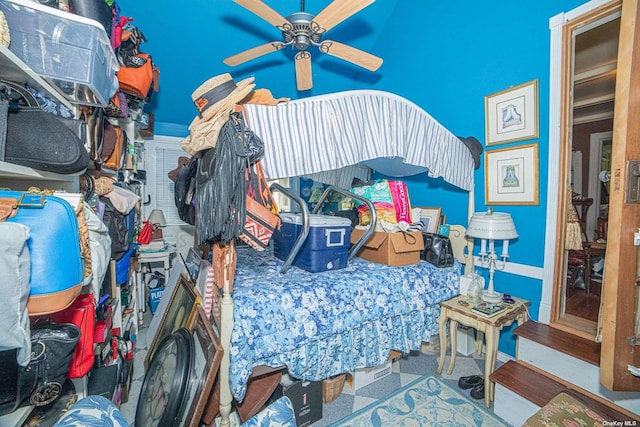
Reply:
x=579, y=304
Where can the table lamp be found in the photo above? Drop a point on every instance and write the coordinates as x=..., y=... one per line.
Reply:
x=156, y=218
x=491, y=226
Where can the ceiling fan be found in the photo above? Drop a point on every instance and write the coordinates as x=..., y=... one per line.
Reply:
x=302, y=30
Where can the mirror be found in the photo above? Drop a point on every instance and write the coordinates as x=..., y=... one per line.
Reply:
x=593, y=75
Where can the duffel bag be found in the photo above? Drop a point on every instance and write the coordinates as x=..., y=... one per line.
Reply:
x=57, y=267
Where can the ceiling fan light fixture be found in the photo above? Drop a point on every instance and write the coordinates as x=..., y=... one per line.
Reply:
x=302, y=30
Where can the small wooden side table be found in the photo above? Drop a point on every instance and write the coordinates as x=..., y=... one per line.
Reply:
x=455, y=312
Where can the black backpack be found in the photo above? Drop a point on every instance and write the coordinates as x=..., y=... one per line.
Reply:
x=185, y=192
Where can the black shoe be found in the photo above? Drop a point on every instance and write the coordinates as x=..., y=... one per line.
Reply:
x=470, y=381
x=477, y=392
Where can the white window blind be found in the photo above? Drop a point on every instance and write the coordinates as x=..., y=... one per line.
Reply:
x=161, y=157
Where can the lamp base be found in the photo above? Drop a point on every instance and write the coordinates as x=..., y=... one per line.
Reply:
x=492, y=296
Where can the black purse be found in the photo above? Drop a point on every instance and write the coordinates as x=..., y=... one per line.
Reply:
x=29, y=136
x=40, y=382
x=437, y=250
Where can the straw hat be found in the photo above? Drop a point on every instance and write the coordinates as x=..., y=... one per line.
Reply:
x=219, y=94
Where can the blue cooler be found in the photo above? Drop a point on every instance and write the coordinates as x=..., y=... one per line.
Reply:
x=326, y=247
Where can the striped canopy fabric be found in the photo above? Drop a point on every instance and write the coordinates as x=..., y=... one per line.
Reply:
x=336, y=137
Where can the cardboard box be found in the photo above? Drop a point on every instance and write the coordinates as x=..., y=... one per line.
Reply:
x=390, y=248
x=306, y=397
x=365, y=376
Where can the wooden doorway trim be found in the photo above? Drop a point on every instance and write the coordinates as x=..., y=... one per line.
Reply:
x=621, y=276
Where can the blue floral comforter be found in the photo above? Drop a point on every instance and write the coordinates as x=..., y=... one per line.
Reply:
x=324, y=324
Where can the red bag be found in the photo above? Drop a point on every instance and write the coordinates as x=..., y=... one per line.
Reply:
x=145, y=234
x=82, y=313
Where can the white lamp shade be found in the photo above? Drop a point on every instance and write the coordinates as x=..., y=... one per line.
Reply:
x=157, y=217
x=492, y=226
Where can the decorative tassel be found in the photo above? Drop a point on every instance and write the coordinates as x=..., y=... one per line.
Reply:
x=573, y=237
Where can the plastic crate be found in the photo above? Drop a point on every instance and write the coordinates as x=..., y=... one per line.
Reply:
x=72, y=52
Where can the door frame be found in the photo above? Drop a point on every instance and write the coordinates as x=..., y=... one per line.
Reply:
x=558, y=158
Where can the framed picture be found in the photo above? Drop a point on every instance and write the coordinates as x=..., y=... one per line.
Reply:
x=208, y=354
x=180, y=313
x=511, y=176
x=512, y=114
x=430, y=219
x=193, y=264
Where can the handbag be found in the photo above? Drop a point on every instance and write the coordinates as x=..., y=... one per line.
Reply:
x=139, y=81
x=97, y=10
x=115, y=159
x=145, y=234
x=82, y=313
x=437, y=250
x=31, y=137
x=40, y=382
x=57, y=267
x=261, y=218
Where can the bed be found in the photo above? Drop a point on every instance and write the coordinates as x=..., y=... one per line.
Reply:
x=323, y=324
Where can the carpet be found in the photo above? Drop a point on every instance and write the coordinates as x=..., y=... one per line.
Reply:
x=427, y=401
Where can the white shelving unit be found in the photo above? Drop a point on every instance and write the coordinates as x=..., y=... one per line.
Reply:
x=19, y=177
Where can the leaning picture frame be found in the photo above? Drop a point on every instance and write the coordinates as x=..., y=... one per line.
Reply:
x=512, y=114
x=511, y=176
x=207, y=358
x=180, y=313
x=430, y=219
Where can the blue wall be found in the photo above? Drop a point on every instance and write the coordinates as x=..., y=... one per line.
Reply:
x=443, y=56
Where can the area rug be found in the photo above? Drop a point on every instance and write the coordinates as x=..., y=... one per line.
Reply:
x=428, y=401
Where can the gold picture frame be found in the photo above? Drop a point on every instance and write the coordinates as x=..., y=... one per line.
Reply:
x=430, y=219
x=511, y=176
x=512, y=114
x=180, y=313
x=207, y=358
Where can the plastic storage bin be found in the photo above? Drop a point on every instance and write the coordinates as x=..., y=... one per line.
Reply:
x=326, y=246
x=72, y=52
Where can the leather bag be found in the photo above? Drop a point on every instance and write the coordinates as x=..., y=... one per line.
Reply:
x=97, y=10
x=57, y=266
x=437, y=250
x=40, y=382
x=139, y=81
x=31, y=137
x=82, y=313
x=261, y=218
x=115, y=160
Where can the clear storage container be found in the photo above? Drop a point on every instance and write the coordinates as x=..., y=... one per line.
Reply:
x=72, y=52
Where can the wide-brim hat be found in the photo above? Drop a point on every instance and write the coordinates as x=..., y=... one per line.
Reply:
x=219, y=94
x=475, y=147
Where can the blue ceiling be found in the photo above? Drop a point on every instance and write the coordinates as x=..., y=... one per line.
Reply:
x=189, y=40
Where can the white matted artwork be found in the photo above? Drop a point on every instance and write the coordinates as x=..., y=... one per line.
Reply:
x=512, y=114
x=430, y=219
x=511, y=176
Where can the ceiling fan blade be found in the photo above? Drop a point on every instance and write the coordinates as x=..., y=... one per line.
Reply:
x=263, y=11
x=253, y=53
x=338, y=11
x=304, y=78
x=351, y=54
